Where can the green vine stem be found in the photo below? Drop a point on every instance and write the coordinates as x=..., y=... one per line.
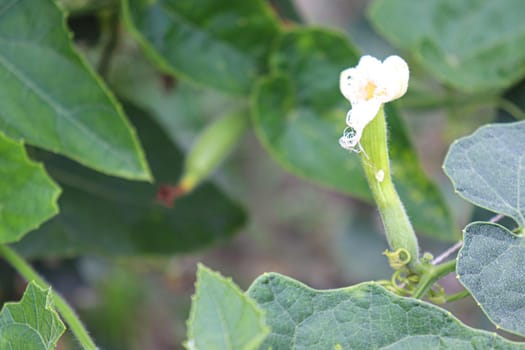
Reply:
x=515, y=111
x=457, y=296
x=431, y=275
x=376, y=164
x=65, y=310
x=110, y=26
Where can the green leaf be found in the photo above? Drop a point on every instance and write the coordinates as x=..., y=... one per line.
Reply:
x=487, y=168
x=219, y=44
x=299, y=114
x=287, y=10
x=472, y=45
x=27, y=195
x=32, y=323
x=222, y=317
x=52, y=99
x=182, y=108
x=491, y=265
x=365, y=316
x=110, y=216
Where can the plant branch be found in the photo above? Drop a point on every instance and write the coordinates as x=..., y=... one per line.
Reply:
x=457, y=296
x=66, y=311
x=511, y=108
x=443, y=256
x=496, y=218
x=431, y=275
x=110, y=24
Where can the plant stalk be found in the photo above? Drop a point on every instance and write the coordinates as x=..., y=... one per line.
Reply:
x=457, y=296
x=376, y=164
x=431, y=275
x=65, y=310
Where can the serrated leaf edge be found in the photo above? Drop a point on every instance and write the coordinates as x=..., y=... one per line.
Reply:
x=41, y=168
x=49, y=306
x=146, y=175
x=255, y=342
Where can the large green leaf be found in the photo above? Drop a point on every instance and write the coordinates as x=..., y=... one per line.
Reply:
x=27, y=195
x=32, y=323
x=222, y=317
x=491, y=265
x=471, y=44
x=215, y=43
x=299, y=116
x=181, y=108
x=487, y=168
x=52, y=99
x=107, y=215
x=287, y=10
x=365, y=316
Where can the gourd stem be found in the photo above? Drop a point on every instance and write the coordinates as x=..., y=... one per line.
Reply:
x=431, y=275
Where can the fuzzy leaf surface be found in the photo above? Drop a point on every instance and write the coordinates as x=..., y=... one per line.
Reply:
x=365, y=316
x=222, y=317
x=487, y=168
x=219, y=44
x=32, y=323
x=110, y=216
x=299, y=115
x=486, y=55
x=28, y=196
x=50, y=98
x=491, y=265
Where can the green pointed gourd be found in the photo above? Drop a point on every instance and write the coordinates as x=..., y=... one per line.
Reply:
x=208, y=151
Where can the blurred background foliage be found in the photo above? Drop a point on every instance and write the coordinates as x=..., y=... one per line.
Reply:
x=287, y=199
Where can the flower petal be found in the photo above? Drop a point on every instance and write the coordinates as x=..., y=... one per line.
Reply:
x=395, y=78
x=357, y=119
x=353, y=81
x=368, y=63
x=345, y=83
x=363, y=113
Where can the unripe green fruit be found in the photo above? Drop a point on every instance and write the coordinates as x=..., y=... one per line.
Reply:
x=376, y=164
x=212, y=146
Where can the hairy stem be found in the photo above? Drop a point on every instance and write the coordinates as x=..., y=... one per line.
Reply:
x=376, y=164
x=65, y=310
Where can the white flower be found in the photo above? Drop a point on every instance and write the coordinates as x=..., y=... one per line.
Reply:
x=368, y=86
